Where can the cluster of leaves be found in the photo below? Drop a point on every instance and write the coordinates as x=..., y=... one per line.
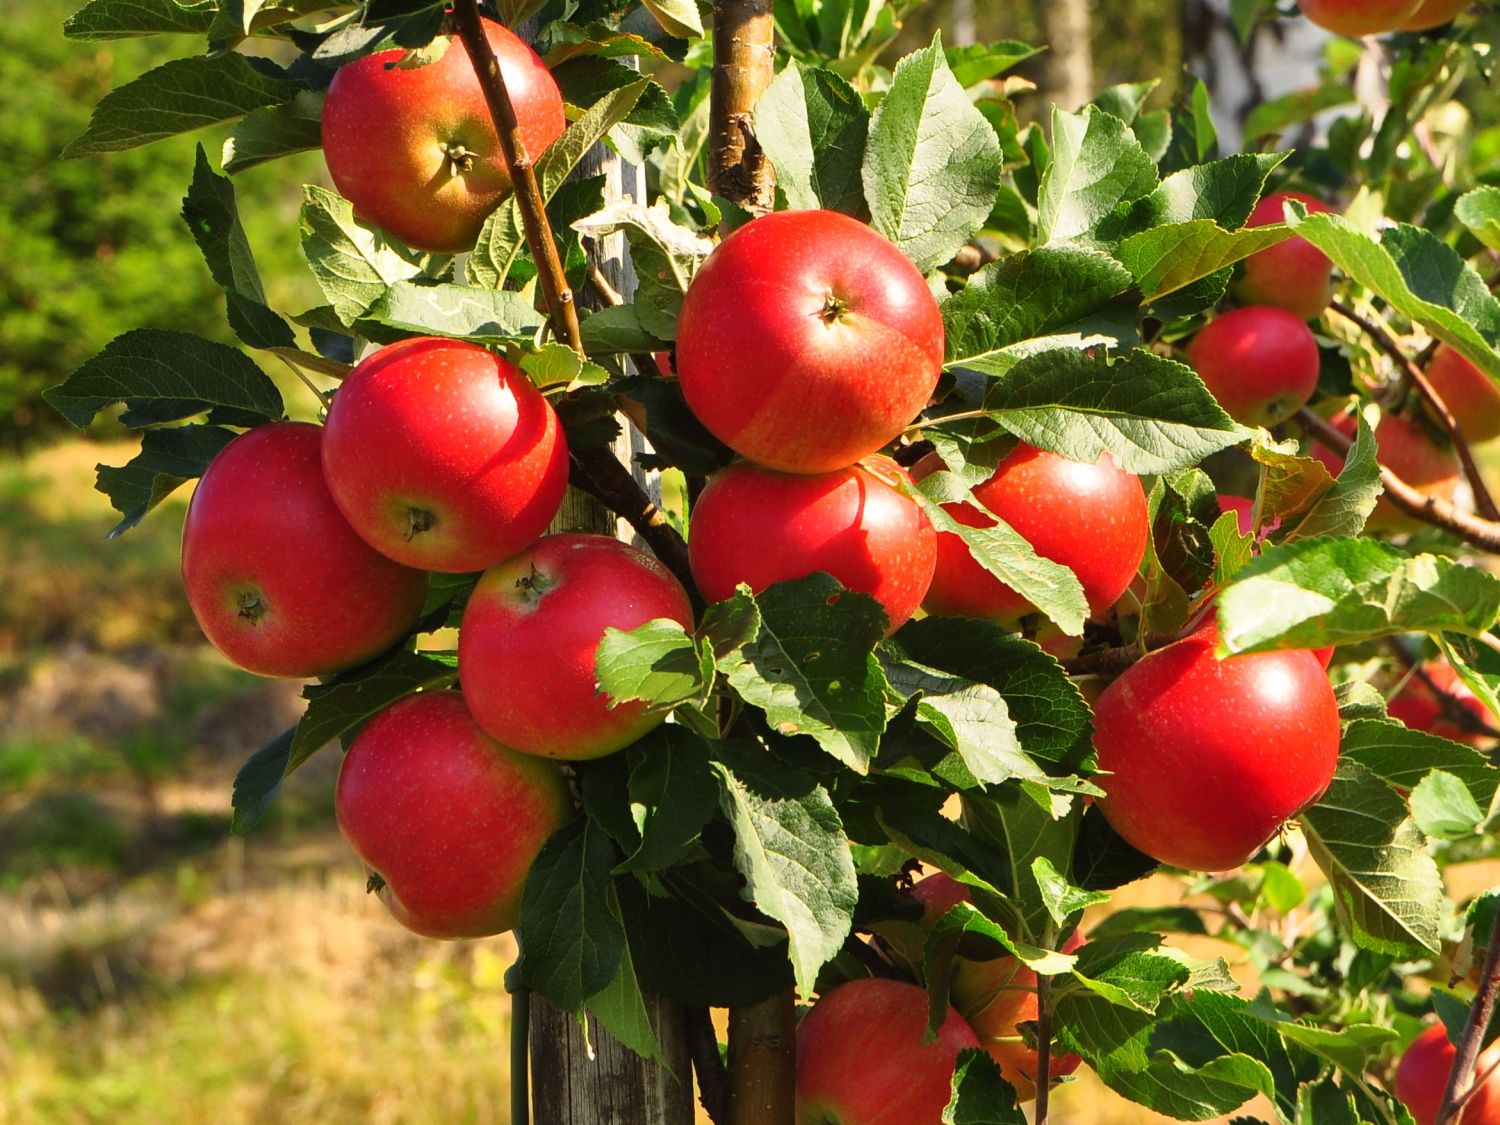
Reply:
x=811, y=761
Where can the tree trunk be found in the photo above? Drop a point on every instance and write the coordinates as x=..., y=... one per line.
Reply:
x=965, y=31
x=744, y=35
x=1070, y=56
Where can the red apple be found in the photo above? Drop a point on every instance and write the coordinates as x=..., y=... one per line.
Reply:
x=1435, y=13
x=1422, y=1076
x=1470, y=395
x=1090, y=518
x=1359, y=17
x=861, y=1061
x=1293, y=275
x=807, y=341
x=415, y=149
x=444, y=456
x=411, y=772
x=758, y=526
x=1260, y=362
x=1244, y=512
x=529, y=634
x=277, y=579
x=1204, y=759
x=1420, y=709
x=1404, y=448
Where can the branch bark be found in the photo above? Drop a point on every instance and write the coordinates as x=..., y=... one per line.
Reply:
x=1481, y=533
x=1461, y=1077
x=1043, y=1047
x=744, y=34
x=763, y=1062
x=713, y=1077
x=599, y=473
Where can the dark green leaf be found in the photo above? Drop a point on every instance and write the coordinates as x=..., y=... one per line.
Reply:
x=122, y=19
x=347, y=700
x=980, y=1095
x=259, y=781
x=168, y=458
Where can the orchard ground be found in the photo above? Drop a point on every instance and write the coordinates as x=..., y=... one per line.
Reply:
x=154, y=968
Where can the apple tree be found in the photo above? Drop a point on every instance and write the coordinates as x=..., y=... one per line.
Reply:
x=1019, y=509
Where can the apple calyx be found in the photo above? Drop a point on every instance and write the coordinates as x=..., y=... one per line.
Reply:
x=375, y=883
x=834, y=310
x=252, y=608
x=419, y=520
x=459, y=160
x=533, y=586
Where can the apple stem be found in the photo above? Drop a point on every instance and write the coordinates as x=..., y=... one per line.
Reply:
x=1481, y=533
x=763, y=1061
x=744, y=35
x=1461, y=1083
x=1483, y=501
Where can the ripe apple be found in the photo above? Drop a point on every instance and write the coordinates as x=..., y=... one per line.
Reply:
x=1422, y=1076
x=1204, y=759
x=411, y=769
x=529, y=633
x=1470, y=395
x=759, y=526
x=1404, y=448
x=276, y=577
x=1420, y=709
x=1356, y=18
x=1260, y=362
x=807, y=341
x=1090, y=518
x=1293, y=275
x=1435, y=13
x=442, y=455
x=415, y=149
x=861, y=1060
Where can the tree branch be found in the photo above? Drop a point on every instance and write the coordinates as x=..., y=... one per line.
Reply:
x=1377, y=332
x=713, y=1078
x=1043, y=1046
x=1471, y=1042
x=744, y=34
x=528, y=193
x=1484, y=534
x=763, y=1061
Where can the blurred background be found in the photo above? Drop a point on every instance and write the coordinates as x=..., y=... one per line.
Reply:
x=152, y=967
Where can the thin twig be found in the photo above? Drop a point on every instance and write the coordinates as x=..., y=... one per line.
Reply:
x=708, y=1063
x=1043, y=1046
x=528, y=192
x=1471, y=1042
x=1387, y=343
x=611, y=295
x=1481, y=533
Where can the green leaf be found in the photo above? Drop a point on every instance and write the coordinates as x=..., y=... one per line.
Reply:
x=1097, y=164
x=1168, y=258
x=572, y=939
x=178, y=97
x=501, y=238
x=1278, y=114
x=1443, y=807
x=1151, y=414
x=1387, y=889
x=163, y=376
x=656, y=662
x=813, y=125
x=1402, y=757
x=1017, y=830
x=980, y=1095
x=355, y=264
x=1479, y=210
x=274, y=132
x=675, y=791
x=979, y=62
x=810, y=668
x=1055, y=297
x=617, y=330
x=1232, y=551
x=1223, y=191
x=620, y=1007
x=124, y=19
x=1318, y=592
x=1132, y=971
x=213, y=216
x=666, y=257
x=678, y=18
x=1354, y=1048
x=1343, y=509
x=1059, y=896
x=464, y=312
x=932, y=168
x=338, y=706
x=168, y=458
x=791, y=849
x=258, y=782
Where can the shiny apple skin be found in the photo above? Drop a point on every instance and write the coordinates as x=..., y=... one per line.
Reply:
x=1090, y=518
x=529, y=634
x=1356, y=18
x=1422, y=1076
x=1204, y=759
x=411, y=770
x=1293, y=275
x=860, y=1058
x=1402, y=447
x=453, y=437
x=1470, y=395
x=758, y=526
x=388, y=134
x=1436, y=13
x=262, y=527
x=1260, y=363
x=784, y=385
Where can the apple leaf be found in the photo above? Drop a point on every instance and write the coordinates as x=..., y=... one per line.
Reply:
x=979, y=62
x=179, y=97
x=1010, y=822
x=621, y=1007
x=1169, y=258
x=1418, y=275
x=1354, y=1048
x=1342, y=508
x=355, y=264
x=1059, y=896
x=1223, y=191
x=1387, y=890
x=463, y=312
x=570, y=931
x=1402, y=757
x=1131, y=971
x=212, y=214
x=657, y=662
x=274, y=132
x=674, y=789
x=1052, y=721
x=813, y=126
x=678, y=18
x=1318, y=592
x=666, y=256
x=1443, y=807
x=932, y=167
x=162, y=376
x=168, y=458
x=337, y=706
x=1097, y=164
x=124, y=19
x=1055, y=297
x=810, y=668
x=259, y=781
x=1479, y=210
x=791, y=848
x=1232, y=550
x=980, y=1095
